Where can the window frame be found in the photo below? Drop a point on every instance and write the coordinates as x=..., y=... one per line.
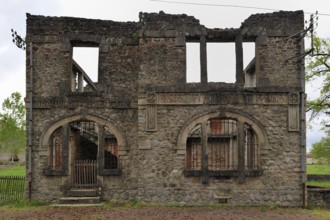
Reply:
x=243, y=159
x=244, y=74
x=78, y=74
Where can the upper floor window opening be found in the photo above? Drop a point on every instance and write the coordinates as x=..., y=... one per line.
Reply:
x=215, y=60
x=193, y=67
x=221, y=62
x=85, y=64
x=249, y=63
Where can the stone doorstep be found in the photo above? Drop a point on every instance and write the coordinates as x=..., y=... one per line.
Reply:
x=80, y=200
x=82, y=193
x=78, y=205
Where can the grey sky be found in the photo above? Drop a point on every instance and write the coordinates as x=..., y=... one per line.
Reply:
x=12, y=15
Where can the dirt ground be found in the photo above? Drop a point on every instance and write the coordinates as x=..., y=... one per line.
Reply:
x=157, y=213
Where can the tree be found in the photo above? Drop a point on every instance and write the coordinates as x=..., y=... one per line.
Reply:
x=12, y=125
x=318, y=66
x=321, y=150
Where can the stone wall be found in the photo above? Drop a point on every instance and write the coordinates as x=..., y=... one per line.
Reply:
x=318, y=197
x=318, y=177
x=143, y=96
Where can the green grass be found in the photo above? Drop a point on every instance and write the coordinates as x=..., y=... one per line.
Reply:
x=318, y=169
x=16, y=170
x=324, y=213
x=319, y=183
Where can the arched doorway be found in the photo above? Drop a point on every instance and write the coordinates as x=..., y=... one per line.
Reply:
x=84, y=151
x=83, y=148
x=87, y=138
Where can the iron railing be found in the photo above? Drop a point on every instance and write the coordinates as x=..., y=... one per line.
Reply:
x=12, y=188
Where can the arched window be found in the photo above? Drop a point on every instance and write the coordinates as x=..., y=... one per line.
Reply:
x=251, y=148
x=222, y=147
x=110, y=150
x=56, y=151
x=194, y=149
x=222, y=144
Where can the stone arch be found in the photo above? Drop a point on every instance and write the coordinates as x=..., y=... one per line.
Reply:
x=44, y=143
x=225, y=113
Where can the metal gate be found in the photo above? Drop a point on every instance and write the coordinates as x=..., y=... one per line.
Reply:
x=84, y=174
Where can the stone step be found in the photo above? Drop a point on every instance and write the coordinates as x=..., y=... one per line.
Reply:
x=82, y=193
x=80, y=200
x=79, y=205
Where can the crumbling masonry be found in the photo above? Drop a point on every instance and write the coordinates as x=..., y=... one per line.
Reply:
x=142, y=132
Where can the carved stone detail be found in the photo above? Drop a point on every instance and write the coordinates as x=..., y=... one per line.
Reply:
x=180, y=98
x=294, y=98
x=151, y=97
x=293, y=118
x=151, y=118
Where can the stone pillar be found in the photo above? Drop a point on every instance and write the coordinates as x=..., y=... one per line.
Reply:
x=72, y=81
x=65, y=150
x=80, y=82
x=203, y=59
x=101, y=143
x=239, y=60
x=241, y=151
x=204, y=156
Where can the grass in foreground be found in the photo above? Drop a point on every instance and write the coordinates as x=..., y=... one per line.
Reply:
x=37, y=207
x=318, y=169
x=319, y=183
x=16, y=170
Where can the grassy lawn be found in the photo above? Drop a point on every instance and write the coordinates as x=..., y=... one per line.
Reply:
x=319, y=183
x=16, y=170
x=318, y=169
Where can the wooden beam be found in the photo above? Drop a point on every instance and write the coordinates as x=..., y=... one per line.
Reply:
x=76, y=66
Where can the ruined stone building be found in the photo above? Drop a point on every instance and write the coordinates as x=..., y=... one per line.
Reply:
x=141, y=131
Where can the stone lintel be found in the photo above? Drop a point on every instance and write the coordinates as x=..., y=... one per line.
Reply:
x=219, y=98
x=76, y=102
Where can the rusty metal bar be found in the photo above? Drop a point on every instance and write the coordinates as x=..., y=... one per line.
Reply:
x=84, y=174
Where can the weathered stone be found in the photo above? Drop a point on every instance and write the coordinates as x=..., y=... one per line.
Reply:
x=158, y=122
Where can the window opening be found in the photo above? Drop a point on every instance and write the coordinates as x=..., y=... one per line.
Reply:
x=193, y=69
x=194, y=149
x=110, y=151
x=85, y=68
x=221, y=62
x=222, y=150
x=249, y=64
x=56, y=149
x=221, y=146
x=251, y=148
x=86, y=139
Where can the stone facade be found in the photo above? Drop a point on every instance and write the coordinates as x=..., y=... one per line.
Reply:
x=155, y=137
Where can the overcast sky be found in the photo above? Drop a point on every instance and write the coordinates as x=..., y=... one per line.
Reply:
x=13, y=15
